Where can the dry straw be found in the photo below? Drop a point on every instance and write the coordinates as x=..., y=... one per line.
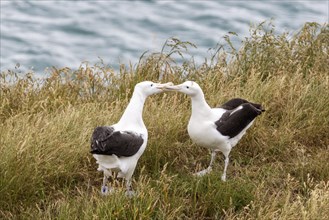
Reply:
x=279, y=171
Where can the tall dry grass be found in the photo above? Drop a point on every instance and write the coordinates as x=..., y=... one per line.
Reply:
x=279, y=170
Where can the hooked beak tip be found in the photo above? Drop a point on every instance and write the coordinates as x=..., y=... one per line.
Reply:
x=172, y=88
x=164, y=85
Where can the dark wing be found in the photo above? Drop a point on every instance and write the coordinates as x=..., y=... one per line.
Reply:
x=234, y=121
x=106, y=141
x=234, y=103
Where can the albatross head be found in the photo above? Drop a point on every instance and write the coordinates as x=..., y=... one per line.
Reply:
x=190, y=88
x=149, y=88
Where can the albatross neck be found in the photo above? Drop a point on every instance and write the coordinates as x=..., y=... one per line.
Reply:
x=134, y=111
x=200, y=106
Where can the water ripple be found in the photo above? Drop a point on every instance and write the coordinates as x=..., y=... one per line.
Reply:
x=41, y=34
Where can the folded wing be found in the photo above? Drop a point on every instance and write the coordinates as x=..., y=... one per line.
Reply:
x=234, y=121
x=234, y=103
x=106, y=141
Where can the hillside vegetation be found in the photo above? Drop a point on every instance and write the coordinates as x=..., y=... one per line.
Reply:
x=279, y=170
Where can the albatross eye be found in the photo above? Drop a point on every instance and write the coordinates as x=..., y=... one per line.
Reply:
x=187, y=87
x=151, y=84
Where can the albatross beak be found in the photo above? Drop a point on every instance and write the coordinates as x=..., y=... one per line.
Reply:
x=172, y=87
x=164, y=85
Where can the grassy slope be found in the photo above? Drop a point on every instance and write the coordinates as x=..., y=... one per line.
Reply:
x=278, y=170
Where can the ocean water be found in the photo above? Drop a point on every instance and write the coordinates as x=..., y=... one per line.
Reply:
x=37, y=34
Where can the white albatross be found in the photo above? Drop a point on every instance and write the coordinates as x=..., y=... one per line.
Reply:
x=218, y=129
x=118, y=147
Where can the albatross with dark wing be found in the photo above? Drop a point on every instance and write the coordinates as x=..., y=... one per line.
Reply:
x=118, y=147
x=218, y=129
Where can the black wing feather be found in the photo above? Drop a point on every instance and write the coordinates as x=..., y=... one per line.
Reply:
x=232, y=124
x=106, y=141
x=234, y=103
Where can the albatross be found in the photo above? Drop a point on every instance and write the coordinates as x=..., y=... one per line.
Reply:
x=218, y=129
x=118, y=147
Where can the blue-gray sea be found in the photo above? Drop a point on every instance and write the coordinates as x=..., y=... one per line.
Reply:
x=36, y=34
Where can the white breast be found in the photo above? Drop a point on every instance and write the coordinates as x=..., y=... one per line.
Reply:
x=202, y=130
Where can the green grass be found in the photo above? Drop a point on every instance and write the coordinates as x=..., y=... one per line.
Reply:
x=279, y=170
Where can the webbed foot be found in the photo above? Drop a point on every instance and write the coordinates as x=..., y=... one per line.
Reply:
x=105, y=190
x=130, y=193
x=203, y=172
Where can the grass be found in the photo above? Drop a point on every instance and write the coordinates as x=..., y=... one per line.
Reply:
x=279, y=170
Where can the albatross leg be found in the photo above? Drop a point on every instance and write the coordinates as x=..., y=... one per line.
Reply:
x=225, y=166
x=209, y=168
x=130, y=193
x=105, y=190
